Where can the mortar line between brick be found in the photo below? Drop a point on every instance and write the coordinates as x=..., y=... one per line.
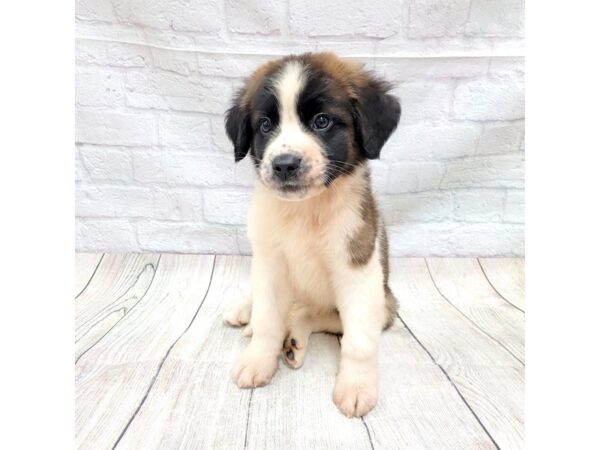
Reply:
x=275, y=54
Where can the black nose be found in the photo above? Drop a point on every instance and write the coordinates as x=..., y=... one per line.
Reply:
x=286, y=166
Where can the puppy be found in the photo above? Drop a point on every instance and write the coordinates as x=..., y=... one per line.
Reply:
x=311, y=122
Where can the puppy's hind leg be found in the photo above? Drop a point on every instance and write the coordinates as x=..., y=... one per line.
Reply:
x=239, y=313
x=301, y=324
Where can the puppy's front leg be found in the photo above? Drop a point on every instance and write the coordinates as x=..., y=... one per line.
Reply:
x=271, y=301
x=360, y=300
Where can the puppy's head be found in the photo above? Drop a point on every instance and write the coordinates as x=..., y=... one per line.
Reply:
x=309, y=119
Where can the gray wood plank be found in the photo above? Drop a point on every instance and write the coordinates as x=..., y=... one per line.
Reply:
x=193, y=403
x=487, y=376
x=418, y=406
x=296, y=411
x=85, y=266
x=463, y=284
x=507, y=276
x=118, y=285
x=113, y=378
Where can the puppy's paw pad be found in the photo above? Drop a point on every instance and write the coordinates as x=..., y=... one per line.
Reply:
x=293, y=356
x=354, y=399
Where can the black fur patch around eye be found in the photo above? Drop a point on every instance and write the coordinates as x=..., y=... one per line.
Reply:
x=313, y=98
x=265, y=104
x=320, y=96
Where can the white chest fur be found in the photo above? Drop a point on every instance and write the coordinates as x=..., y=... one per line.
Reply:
x=310, y=236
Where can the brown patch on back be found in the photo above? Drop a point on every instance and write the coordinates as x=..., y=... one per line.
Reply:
x=391, y=304
x=362, y=244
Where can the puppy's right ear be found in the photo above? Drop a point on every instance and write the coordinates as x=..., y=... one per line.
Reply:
x=238, y=127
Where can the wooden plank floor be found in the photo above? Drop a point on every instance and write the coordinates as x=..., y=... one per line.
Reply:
x=152, y=361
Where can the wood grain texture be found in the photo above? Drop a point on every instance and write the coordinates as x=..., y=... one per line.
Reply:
x=489, y=379
x=194, y=403
x=113, y=378
x=117, y=287
x=418, y=406
x=159, y=376
x=507, y=275
x=463, y=284
x=85, y=266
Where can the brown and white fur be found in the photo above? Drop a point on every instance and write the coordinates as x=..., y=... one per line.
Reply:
x=320, y=254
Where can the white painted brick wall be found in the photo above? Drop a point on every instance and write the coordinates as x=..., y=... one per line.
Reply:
x=154, y=170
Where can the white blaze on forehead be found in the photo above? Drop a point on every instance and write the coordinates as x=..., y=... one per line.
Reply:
x=292, y=136
x=288, y=87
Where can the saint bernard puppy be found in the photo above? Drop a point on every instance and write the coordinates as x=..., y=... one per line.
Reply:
x=320, y=254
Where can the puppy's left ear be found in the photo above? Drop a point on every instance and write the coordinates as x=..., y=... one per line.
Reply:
x=238, y=127
x=376, y=115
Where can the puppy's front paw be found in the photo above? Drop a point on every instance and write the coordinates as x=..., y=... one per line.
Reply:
x=254, y=371
x=355, y=396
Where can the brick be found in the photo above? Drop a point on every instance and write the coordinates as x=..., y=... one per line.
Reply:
x=410, y=69
x=479, y=206
x=416, y=207
x=112, y=128
x=219, y=140
x=486, y=99
x=94, y=10
x=507, y=66
x=229, y=66
x=244, y=173
x=496, y=18
x=514, y=211
x=181, y=62
x=501, y=138
x=105, y=235
x=379, y=175
x=264, y=17
x=106, y=163
x=456, y=239
x=186, y=237
x=226, y=206
x=113, y=201
x=424, y=101
x=99, y=87
x=381, y=19
x=81, y=173
x=243, y=242
x=167, y=90
x=414, y=176
x=437, y=18
x=112, y=54
x=184, y=132
x=183, y=169
x=185, y=15
x=177, y=204
x=431, y=142
x=485, y=171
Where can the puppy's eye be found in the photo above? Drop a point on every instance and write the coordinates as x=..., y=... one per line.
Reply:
x=321, y=122
x=265, y=125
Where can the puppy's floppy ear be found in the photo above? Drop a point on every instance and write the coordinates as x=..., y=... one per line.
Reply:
x=238, y=127
x=376, y=115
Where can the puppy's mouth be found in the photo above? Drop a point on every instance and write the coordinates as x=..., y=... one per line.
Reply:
x=292, y=186
x=296, y=189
